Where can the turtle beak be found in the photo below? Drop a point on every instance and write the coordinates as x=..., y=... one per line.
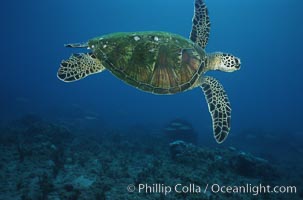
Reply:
x=238, y=63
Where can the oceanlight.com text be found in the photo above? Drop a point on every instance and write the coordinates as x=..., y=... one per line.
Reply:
x=210, y=188
x=253, y=189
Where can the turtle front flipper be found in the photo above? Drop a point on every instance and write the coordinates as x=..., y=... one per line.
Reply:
x=219, y=107
x=79, y=66
x=201, y=24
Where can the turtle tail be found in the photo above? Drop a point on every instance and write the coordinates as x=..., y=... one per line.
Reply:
x=79, y=66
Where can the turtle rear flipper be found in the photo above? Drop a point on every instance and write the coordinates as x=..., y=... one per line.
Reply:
x=201, y=24
x=219, y=107
x=77, y=45
x=78, y=66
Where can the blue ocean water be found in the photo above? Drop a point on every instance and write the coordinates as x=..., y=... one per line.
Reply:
x=266, y=94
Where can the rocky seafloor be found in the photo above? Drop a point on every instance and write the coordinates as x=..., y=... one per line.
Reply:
x=44, y=160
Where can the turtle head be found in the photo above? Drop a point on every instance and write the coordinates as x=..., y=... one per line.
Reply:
x=224, y=62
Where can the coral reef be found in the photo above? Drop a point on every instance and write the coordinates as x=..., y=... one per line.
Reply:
x=42, y=160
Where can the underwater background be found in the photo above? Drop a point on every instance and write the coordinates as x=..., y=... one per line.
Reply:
x=125, y=127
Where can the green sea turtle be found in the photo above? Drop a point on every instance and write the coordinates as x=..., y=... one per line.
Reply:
x=160, y=63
